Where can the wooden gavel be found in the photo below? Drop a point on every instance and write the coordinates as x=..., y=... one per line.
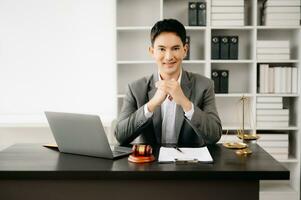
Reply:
x=142, y=150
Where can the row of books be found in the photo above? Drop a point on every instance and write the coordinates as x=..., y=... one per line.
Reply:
x=270, y=112
x=227, y=13
x=273, y=50
x=197, y=13
x=278, y=79
x=281, y=13
x=224, y=47
x=276, y=144
x=221, y=80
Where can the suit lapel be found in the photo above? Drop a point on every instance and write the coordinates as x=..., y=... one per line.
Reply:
x=157, y=119
x=186, y=88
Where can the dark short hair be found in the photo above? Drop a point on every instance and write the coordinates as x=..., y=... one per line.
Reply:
x=168, y=25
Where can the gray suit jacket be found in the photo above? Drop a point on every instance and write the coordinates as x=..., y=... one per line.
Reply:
x=204, y=127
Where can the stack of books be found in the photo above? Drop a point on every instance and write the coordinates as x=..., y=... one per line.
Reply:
x=227, y=13
x=273, y=50
x=278, y=79
x=275, y=144
x=281, y=13
x=270, y=112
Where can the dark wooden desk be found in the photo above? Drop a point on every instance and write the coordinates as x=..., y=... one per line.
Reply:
x=30, y=171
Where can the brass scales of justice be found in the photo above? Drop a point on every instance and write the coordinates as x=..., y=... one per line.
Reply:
x=242, y=147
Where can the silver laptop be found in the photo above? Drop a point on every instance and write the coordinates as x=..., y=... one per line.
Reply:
x=82, y=134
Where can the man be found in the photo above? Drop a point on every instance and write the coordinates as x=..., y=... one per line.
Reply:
x=171, y=106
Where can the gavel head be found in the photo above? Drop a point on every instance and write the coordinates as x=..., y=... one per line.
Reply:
x=142, y=150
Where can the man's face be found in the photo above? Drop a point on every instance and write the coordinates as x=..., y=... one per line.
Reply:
x=168, y=52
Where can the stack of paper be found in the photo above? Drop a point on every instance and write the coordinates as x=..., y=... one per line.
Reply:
x=275, y=144
x=227, y=13
x=270, y=112
x=281, y=13
x=273, y=50
x=169, y=154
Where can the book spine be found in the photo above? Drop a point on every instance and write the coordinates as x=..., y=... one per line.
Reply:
x=227, y=3
x=283, y=9
x=272, y=118
x=273, y=43
x=223, y=16
x=283, y=80
x=201, y=13
x=272, y=124
x=272, y=16
x=215, y=76
x=192, y=14
x=215, y=47
x=277, y=79
x=288, y=78
x=272, y=112
x=269, y=105
x=233, y=47
x=269, y=100
x=273, y=56
x=224, y=81
x=223, y=9
x=227, y=22
x=261, y=78
x=271, y=80
x=271, y=136
x=282, y=3
x=273, y=143
x=273, y=51
x=282, y=22
x=224, y=47
x=294, y=80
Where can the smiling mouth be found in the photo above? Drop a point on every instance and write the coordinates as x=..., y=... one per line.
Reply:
x=171, y=63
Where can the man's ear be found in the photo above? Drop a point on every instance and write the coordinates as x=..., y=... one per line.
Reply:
x=151, y=50
x=186, y=48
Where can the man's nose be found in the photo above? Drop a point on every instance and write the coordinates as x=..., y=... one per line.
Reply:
x=168, y=55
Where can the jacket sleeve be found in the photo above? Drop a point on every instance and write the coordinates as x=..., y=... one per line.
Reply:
x=205, y=120
x=131, y=119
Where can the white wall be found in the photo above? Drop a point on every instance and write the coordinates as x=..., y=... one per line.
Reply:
x=55, y=55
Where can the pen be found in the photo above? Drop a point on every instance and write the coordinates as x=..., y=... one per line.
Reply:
x=178, y=149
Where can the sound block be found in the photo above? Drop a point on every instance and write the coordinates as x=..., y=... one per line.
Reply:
x=141, y=159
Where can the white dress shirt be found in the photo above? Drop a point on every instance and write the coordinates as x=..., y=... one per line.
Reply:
x=168, y=113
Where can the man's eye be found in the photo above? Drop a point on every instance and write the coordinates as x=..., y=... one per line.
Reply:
x=161, y=49
x=176, y=48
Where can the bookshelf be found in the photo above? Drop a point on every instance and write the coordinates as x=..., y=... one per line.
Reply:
x=134, y=21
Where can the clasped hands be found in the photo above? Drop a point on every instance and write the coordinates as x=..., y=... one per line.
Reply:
x=171, y=88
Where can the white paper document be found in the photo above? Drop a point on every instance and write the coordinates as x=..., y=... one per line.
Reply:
x=171, y=154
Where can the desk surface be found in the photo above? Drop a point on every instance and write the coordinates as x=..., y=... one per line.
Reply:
x=33, y=161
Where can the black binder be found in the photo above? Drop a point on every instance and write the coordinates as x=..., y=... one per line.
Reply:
x=216, y=79
x=233, y=49
x=201, y=10
x=192, y=14
x=188, y=51
x=224, y=47
x=215, y=47
x=224, y=81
